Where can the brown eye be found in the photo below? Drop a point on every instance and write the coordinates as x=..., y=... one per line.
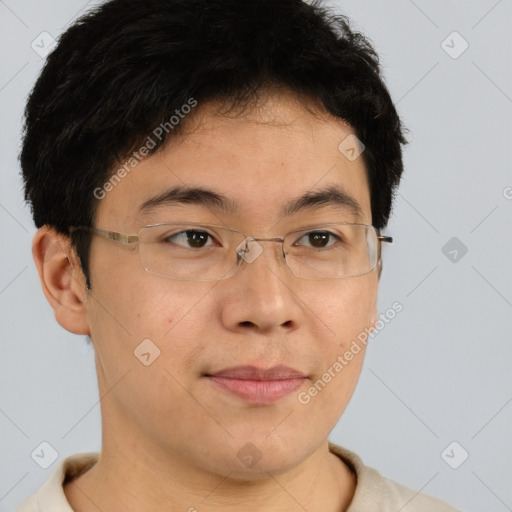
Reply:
x=191, y=239
x=318, y=239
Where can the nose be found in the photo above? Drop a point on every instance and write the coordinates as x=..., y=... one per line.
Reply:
x=260, y=296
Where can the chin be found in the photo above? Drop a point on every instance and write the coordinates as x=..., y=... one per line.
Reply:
x=249, y=461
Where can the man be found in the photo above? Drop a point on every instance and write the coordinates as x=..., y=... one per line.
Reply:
x=210, y=179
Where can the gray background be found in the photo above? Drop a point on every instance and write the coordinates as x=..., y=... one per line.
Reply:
x=438, y=373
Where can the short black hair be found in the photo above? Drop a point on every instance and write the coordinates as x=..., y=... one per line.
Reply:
x=127, y=66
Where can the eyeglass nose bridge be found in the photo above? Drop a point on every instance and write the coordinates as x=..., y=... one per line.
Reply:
x=250, y=249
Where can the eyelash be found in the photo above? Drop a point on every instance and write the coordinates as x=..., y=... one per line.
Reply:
x=332, y=236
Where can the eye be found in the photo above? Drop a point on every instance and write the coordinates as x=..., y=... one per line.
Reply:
x=318, y=239
x=191, y=239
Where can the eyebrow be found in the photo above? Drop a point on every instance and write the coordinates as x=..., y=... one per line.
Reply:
x=190, y=195
x=330, y=196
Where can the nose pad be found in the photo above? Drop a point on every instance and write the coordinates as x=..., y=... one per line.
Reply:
x=249, y=250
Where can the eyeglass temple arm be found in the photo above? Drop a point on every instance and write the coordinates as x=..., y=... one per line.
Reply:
x=109, y=235
x=383, y=238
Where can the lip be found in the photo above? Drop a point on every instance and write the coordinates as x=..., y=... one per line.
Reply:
x=258, y=386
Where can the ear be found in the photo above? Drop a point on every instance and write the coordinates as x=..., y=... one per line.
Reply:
x=62, y=279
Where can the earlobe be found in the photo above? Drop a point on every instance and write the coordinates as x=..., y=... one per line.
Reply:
x=62, y=280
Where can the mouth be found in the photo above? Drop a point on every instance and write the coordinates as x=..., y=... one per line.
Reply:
x=258, y=386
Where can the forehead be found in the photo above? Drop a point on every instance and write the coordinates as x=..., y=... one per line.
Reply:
x=260, y=161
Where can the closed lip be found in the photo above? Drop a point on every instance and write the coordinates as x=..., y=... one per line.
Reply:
x=258, y=386
x=280, y=372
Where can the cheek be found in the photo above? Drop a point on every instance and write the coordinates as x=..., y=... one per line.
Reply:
x=348, y=309
x=348, y=314
x=125, y=313
x=164, y=319
x=141, y=304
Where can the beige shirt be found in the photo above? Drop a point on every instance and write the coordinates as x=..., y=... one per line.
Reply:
x=373, y=492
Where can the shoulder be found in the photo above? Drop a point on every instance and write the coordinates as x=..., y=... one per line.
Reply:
x=29, y=505
x=375, y=493
x=50, y=496
x=410, y=500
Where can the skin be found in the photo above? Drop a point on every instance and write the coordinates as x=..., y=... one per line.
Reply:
x=170, y=437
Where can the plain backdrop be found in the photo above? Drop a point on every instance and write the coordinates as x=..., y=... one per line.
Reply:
x=433, y=409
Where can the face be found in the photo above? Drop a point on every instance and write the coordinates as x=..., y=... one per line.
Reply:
x=262, y=316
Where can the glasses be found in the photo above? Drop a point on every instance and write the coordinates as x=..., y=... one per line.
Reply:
x=205, y=252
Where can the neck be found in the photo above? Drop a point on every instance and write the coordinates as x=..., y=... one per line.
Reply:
x=138, y=476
